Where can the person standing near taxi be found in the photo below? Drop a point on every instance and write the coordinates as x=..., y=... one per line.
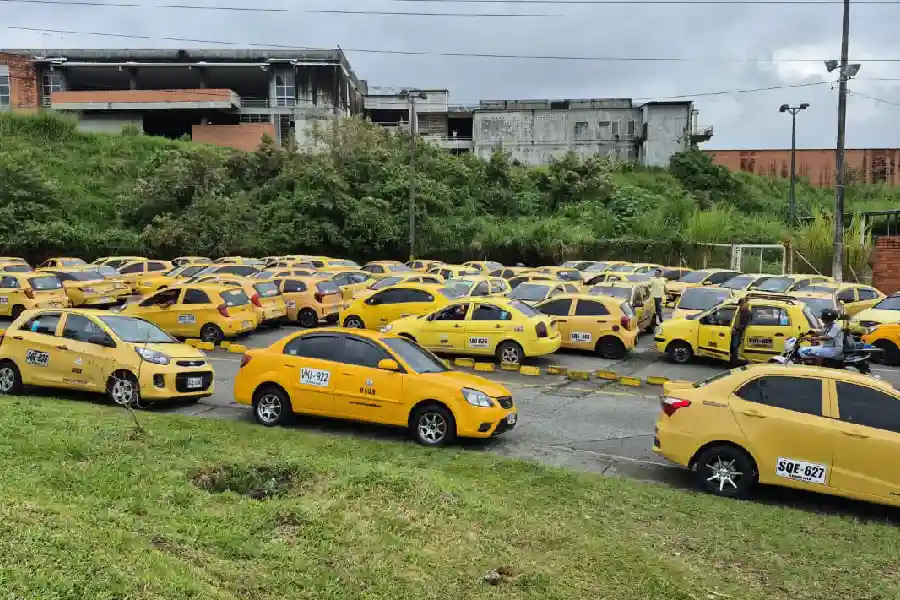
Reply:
x=738, y=328
x=658, y=292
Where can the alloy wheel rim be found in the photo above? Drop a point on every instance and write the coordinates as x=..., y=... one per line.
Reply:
x=354, y=323
x=7, y=379
x=123, y=392
x=432, y=427
x=208, y=335
x=269, y=408
x=723, y=472
x=509, y=355
x=681, y=353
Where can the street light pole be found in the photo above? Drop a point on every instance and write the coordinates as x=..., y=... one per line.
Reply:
x=792, y=199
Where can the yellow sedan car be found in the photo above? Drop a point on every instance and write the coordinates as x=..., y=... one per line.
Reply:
x=372, y=377
x=885, y=311
x=131, y=360
x=813, y=429
x=600, y=324
x=507, y=329
x=27, y=291
x=395, y=302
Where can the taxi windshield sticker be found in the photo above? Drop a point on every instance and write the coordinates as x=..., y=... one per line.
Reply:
x=37, y=358
x=580, y=337
x=315, y=377
x=478, y=342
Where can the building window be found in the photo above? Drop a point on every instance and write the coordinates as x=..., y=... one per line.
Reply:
x=616, y=125
x=254, y=118
x=603, y=134
x=4, y=90
x=52, y=82
x=630, y=129
x=581, y=130
x=285, y=89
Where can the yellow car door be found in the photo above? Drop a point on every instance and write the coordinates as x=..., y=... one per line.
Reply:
x=787, y=423
x=487, y=326
x=769, y=327
x=159, y=309
x=396, y=303
x=866, y=440
x=364, y=392
x=559, y=310
x=87, y=354
x=312, y=364
x=446, y=328
x=193, y=309
x=714, y=335
x=36, y=351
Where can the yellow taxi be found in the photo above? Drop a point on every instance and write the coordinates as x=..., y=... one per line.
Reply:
x=637, y=293
x=372, y=377
x=528, y=276
x=509, y=272
x=394, y=302
x=887, y=338
x=153, y=283
x=600, y=324
x=62, y=262
x=507, y=329
x=86, y=288
x=108, y=273
x=855, y=297
x=18, y=266
x=480, y=285
x=230, y=269
x=562, y=274
x=380, y=269
x=593, y=278
x=133, y=273
x=819, y=301
x=351, y=282
x=538, y=290
x=130, y=360
x=423, y=265
x=780, y=284
x=29, y=290
x=265, y=297
x=820, y=430
x=703, y=277
x=887, y=310
x=117, y=261
x=309, y=300
x=485, y=267
x=386, y=282
x=453, y=271
x=773, y=319
x=695, y=300
x=190, y=260
x=324, y=263
x=746, y=282
x=209, y=311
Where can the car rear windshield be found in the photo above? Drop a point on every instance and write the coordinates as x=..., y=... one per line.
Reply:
x=701, y=299
x=695, y=276
x=267, y=289
x=615, y=292
x=572, y=275
x=45, y=282
x=530, y=291
x=418, y=359
x=738, y=283
x=386, y=282
x=234, y=298
x=343, y=263
x=84, y=275
x=889, y=303
x=17, y=268
x=450, y=293
x=137, y=331
x=328, y=287
x=626, y=309
x=525, y=309
x=775, y=284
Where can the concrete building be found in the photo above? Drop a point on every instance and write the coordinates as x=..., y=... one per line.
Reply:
x=871, y=165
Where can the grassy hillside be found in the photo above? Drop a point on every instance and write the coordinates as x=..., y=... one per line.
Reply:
x=194, y=508
x=63, y=191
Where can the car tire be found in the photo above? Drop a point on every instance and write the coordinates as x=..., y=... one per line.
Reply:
x=354, y=322
x=17, y=311
x=610, y=348
x=10, y=378
x=433, y=425
x=211, y=333
x=308, y=318
x=725, y=470
x=123, y=389
x=889, y=355
x=272, y=406
x=510, y=353
x=680, y=352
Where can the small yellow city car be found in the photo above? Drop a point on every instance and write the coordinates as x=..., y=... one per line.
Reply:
x=637, y=293
x=453, y=271
x=509, y=272
x=264, y=295
x=562, y=274
x=744, y=283
x=153, y=283
x=371, y=377
x=310, y=301
x=780, y=284
x=27, y=291
x=485, y=267
x=133, y=273
x=605, y=277
x=506, y=329
x=209, y=311
x=887, y=310
x=15, y=267
x=480, y=285
x=386, y=282
x=324, y=263
x=695, y=300
x=537, y=290
x=703, y=277
x=62, y=262
x=820, y=430
x=130, y=360
x=773, y=319
x=855, y=297
x=379, y=269
x=598, y=324
x=86, y=288
x=886, y=337
x=191, y=260
x=351, y=282
x=395, y=302
x=117, y=261
x=423, y=265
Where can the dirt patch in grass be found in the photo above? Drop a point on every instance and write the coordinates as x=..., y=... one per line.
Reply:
x=259, y=482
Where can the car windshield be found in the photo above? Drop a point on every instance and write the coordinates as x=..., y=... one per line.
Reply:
x=45, y=282
x=889, y=303
x=594, y=267
x=400, y=268
x=701, y=298
x=137, y=331
x=572, y=264
x=185, y=271
x=828, y=289
x=451, y=293
x=530, y=291
x=460, y=285
x=16, y=268
x=695, y=277
x=738, y=283
x=386, y=282
x=267, y=289
x=774, y=284
x=817, y=305
x=418, y=359
x=104, y=270
x=615, y=292
x=72, y=262
x=572, y=275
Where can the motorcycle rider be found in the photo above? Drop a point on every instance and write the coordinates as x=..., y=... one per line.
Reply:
x=832, y=338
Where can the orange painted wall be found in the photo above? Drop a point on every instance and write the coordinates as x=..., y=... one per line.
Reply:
x=869, y=165
x=142, y=96
x=246, y=136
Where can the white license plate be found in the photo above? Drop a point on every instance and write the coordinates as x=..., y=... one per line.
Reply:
x=247, y=324
x=315, y=377
x=511, y=418
x=800, y=470
x=194, y=382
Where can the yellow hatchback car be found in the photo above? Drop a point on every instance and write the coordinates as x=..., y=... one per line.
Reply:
x=211, y=312
x=480, y=286
x=265, y=297
x=27, y=291
x=133, y=273
x=637, y=293
x=371, y=377
x=130, y=360
x=820, y=430
x=87, y=288
x=598, y=324
x=507, y=329
x=395, y=302
x=379, y=269
x=386, y=282
x=310, y=301
x=178, y=275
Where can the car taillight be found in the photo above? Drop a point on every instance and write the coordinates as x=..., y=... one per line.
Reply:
x=255, y=300
x=541, y=330
x=29, y=293
x=319, y=297
x=245, y=359
x=87, y=290
x=670, y=404
x=223, y=310
x=626, y=322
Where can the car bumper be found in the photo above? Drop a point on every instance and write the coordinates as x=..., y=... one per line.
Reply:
x=104, y=300
x=237, y=327
x=56, y=303
x=272, y=314
x=673, y=444
x=330, y=312
x=542, y=346
x=486, y=422
x=169, y=383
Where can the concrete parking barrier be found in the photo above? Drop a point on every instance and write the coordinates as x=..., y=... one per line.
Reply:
x=557, y=370
x=224, y=344
x=630, y=381
x=237, y=348
x=204, y=345
x=653, y=380
x=192, y=342
x=510, y=367
x=579, y=375
x=530, y=371
x=464, y=362
x=485, y=367
x=607, y=375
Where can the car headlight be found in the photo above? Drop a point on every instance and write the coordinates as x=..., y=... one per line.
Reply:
x=152, y=356
x=386, y=328
x=476, y=398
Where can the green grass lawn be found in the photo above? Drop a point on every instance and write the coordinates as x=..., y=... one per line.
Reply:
x=89, y=509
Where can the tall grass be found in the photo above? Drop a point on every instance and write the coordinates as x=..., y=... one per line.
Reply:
x=814, y=240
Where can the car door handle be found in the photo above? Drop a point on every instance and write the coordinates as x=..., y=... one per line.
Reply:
x=853, y=434
x=290, y=366
x=63, y=347
x=779, y=335
x=721, y=335
x=17, y=337
x=497, y=326
x=563, y=320
x=754, y=414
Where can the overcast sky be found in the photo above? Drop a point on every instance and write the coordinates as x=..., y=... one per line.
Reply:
x=717, y=37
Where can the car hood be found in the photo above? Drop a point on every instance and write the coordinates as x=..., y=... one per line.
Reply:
x=460, y=379
x=683, y=313
x=881, y=316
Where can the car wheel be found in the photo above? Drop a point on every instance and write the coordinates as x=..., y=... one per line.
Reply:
x=308, y=318
x=680, y=352
x=610, y=347
x=889, y=355
x=433, y=425
x=123, y=388
x=510, y=353
x=211, y=333
x=10, y=378
x=272, y=406
x=17, y=311
x=354, y=322
x=725, y=470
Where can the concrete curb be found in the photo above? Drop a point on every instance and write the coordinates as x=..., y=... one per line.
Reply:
x=571, y=375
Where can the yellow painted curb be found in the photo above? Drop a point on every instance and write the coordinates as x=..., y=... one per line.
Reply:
x=205, y=346
x=553, y=370
x=580, y=375
x=607, y=375
x=464, y=362
x=192, y=342
x=510, y=367
x=657, y=380
x=224, y=345
x=237, y=348
x=485, y=367
x=529, y=371
x=631, y=381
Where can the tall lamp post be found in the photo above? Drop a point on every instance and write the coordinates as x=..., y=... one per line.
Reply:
x=792, y=200
x=411, y=96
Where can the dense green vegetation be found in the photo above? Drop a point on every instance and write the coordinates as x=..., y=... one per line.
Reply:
x=63, y=191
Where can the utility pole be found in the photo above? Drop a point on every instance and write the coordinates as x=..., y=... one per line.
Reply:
x=837, y=267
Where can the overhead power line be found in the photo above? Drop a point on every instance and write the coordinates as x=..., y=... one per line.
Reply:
x=656, y=2
x=732, y=92
x=881, y=100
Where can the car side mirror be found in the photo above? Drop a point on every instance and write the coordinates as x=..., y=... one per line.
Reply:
x=101, y=339
x=388, y=364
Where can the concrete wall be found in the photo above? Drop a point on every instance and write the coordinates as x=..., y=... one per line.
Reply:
x=667, y=127
x=109, y=123
x=23, y=83
x=246, y=136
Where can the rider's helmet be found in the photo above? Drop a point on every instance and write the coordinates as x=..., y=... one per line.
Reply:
x=829, y=315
